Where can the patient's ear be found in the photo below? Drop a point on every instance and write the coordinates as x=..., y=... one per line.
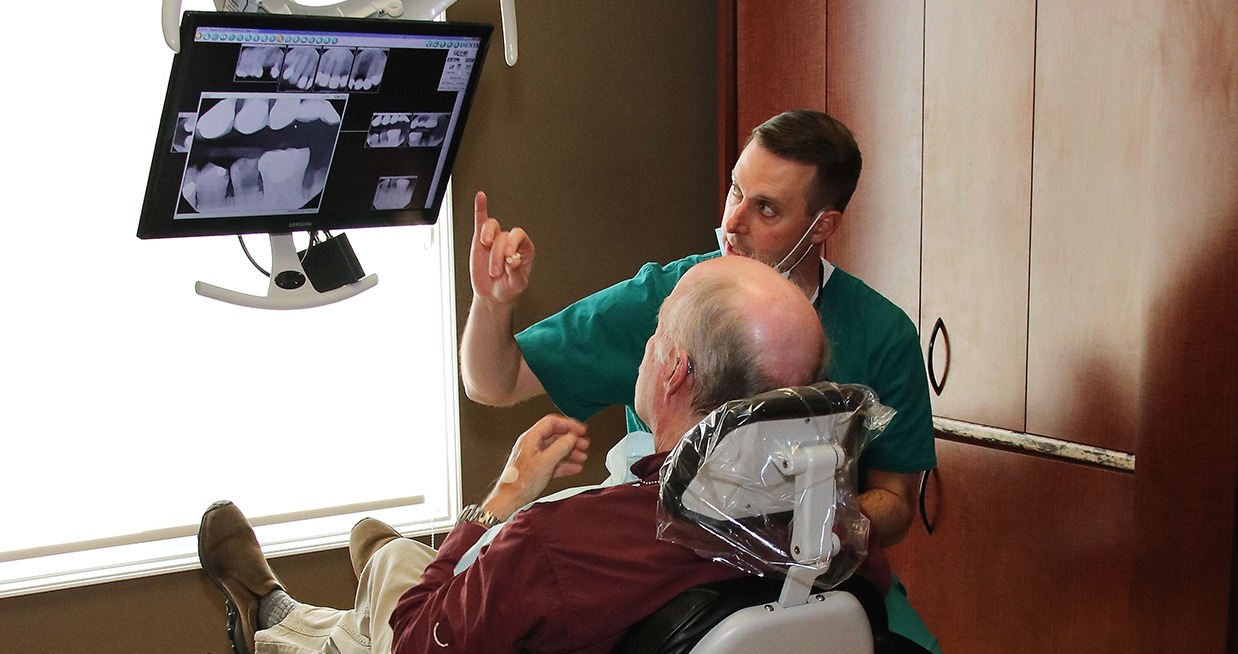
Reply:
x=680, y=374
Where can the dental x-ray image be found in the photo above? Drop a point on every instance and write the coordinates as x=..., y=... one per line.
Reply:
x=367, y=70
x=388, y=130
x=259, y=62
x=394, y=192
x=278, y=123
x=334, y=69
x=300, y=68
x=428, y=130
x=182, y=135
x=260, y=152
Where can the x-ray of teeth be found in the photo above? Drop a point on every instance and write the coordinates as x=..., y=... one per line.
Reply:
x=218, y=120
x=182, y=135
x=284, y=112
x=283, y=177
x=259, y=62
x=367, y=70
x=246, y=180
x=427, y=130
x=317, y=109
x=300, y=68
x=254, y=114
x=388, y=130
x=394, y=192
x=210, y=185
x=334, y=69
x=260, y=152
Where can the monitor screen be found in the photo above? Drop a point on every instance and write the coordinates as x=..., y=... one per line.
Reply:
x=279, y=123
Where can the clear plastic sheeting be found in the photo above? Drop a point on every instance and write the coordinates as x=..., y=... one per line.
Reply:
x=770, y=483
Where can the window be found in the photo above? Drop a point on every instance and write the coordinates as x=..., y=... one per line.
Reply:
x=133, y=403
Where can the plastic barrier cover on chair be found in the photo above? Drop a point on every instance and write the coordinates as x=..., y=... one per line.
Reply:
x=729, y=489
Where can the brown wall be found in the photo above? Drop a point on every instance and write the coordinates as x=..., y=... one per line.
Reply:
x=602, y=143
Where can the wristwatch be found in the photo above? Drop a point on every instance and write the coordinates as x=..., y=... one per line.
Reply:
x=474, y=513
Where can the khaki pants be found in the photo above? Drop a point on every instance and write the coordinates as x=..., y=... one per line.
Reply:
x=394, y=568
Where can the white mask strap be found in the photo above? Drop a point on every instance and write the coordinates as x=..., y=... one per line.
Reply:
x=787, y=272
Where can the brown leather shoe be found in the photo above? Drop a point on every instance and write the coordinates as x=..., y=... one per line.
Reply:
x=233, y=560
x=367, y=536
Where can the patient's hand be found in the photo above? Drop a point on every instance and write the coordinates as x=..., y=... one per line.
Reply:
x=553, y=447
x=499, y=262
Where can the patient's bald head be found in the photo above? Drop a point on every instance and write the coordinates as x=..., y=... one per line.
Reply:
x=731, y=328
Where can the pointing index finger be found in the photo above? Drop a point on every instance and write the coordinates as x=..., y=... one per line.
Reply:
x=481, y=217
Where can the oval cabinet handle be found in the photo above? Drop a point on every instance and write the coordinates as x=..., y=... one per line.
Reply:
x=924, y=478
x=938, y=329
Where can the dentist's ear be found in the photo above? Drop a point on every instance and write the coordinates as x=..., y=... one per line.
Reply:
x=827, y=222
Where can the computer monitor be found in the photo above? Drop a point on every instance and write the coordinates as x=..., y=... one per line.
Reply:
x=279, y=123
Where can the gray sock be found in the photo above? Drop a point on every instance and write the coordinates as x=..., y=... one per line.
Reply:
x=274, y=607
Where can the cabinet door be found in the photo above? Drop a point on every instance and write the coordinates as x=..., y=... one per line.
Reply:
x=978, y=77
x=1028, y=555
x=875, y=88
x=1095, y=70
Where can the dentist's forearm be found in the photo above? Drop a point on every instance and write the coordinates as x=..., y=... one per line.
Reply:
x=492, y=366
x=889, y=501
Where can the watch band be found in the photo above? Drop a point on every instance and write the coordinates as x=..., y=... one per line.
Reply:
x=474, y=513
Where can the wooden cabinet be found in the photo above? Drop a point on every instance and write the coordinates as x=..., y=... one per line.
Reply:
x=978, y=70
x=1093, y=160
x=874, y=86
x=1027, y=555
x=1058, y=182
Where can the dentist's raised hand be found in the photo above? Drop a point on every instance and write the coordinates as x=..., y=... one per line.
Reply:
x=492, y=366
x=500, y=262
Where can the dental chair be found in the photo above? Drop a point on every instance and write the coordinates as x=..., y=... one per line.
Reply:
x=768, y=484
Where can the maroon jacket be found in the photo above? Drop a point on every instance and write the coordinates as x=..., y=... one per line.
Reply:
x=566, y=576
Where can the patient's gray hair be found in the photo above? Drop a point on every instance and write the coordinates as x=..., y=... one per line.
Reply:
x=707, y=321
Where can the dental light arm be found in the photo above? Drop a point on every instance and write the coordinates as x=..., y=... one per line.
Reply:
x=410, y=9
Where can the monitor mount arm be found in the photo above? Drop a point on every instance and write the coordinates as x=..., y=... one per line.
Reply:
x=409, y=9
x=289, y=287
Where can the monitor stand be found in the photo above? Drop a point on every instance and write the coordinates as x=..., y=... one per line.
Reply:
x=289, y=287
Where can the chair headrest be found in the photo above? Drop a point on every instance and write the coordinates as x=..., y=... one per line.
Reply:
x=726, y=492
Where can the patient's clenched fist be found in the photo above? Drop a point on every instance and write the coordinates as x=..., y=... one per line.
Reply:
x=554, y=446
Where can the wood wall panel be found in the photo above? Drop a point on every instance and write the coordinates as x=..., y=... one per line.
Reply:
x=875, y=53
x=728, y=99
x=978, y=79
x=1187, y=453
x=1027, y=556
x=778, y=73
